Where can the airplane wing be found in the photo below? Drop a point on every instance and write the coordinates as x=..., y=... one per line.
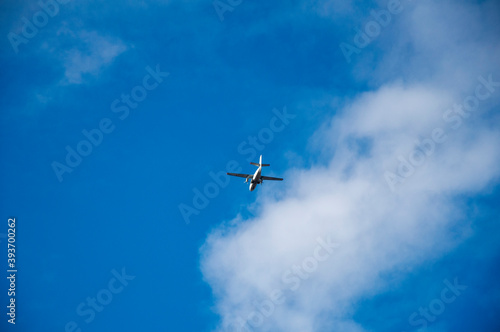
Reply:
x=270, y=178
x=240, y=175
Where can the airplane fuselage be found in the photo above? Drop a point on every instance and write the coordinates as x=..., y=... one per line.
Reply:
x=255, y=179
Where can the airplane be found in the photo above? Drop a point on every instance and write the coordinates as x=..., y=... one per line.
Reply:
x=257, y=177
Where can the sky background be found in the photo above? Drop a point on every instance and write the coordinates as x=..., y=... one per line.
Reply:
x=342, y=126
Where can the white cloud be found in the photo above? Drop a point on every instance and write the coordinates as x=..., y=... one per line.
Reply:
x=92, y=53
x=378, y=231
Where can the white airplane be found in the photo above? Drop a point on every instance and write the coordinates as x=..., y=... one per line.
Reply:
x=256, y=178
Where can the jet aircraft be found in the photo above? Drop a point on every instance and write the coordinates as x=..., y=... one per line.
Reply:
x=257, y=177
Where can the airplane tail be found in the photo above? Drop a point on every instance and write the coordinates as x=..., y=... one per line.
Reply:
x=260, y=163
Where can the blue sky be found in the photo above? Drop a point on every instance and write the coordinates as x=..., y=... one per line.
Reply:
x=390, y=158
